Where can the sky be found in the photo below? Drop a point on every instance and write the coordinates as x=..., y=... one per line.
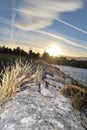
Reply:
x=40, y=24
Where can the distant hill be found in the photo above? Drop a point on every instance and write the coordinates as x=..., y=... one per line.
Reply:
x=77, y=58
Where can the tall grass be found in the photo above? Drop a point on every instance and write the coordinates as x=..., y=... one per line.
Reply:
x=38, y=74
x=13, y=78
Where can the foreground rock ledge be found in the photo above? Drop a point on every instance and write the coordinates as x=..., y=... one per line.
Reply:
x=37, y=108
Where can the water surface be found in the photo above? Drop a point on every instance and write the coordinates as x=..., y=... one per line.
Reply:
x=77, y=73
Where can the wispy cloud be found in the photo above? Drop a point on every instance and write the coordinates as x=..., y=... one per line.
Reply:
x=23, y=39
x=62, y=39
x=5, y=21
x=41, y=40
x=37, y=14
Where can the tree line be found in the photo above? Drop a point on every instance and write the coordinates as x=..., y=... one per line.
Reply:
x=45, y=56
x=19, y=52
x=64, y=61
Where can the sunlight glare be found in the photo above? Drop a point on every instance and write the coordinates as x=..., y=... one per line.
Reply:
x=54, y=50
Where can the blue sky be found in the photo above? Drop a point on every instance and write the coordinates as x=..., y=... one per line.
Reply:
x=40, y=24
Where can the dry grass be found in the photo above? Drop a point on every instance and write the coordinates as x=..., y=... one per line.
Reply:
x=38, y=74
x=13, y=79
x=77, y=95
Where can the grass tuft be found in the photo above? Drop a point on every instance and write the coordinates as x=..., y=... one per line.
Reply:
x=38, y=75
x=77, y=95
x=13, y=77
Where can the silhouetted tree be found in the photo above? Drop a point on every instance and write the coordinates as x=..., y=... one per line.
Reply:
x=45, y=56
x=33, y=55
x=19, y=52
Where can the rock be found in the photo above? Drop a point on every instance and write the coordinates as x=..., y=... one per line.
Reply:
x=68, y=80
x=59, y=78
x=49, y=76
x=44, y=109
x=29, y=110
x=47, y=91
x=83, y=115
x=57, y=85
x=29, y=121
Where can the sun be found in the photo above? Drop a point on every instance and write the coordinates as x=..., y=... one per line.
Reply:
x=54, y=50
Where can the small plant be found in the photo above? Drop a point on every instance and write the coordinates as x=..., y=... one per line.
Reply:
x=76, y=94
x=13, y=77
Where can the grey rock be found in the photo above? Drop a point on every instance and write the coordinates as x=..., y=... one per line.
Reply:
x=68, y=80
x=83, y=115
x=46, y=109
x=47, y=91
x=57, y=85
x=49, y=76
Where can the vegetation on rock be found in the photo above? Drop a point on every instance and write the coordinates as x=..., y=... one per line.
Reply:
x=77, y=94
x=15, y=77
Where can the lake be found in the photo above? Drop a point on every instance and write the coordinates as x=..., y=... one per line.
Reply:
x=77, y=73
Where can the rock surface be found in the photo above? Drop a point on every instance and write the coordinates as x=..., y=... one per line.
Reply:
x=41, y=107
x=83, y=114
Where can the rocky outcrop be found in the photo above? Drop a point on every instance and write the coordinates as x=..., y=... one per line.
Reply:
x=41, y=106
x=83, y=115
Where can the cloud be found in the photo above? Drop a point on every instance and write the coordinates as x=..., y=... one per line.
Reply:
x=5, y=21
x=37, y=14
x=40, y=40
x=63, y=39
x=23, y=39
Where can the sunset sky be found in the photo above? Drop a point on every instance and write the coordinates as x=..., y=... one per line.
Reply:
x=40, y=24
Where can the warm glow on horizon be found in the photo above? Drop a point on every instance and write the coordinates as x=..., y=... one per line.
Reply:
x=54, y=50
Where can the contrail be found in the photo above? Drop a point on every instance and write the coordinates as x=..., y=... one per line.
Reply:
x=12, y=21
x=65, y=40
x=70, y=25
